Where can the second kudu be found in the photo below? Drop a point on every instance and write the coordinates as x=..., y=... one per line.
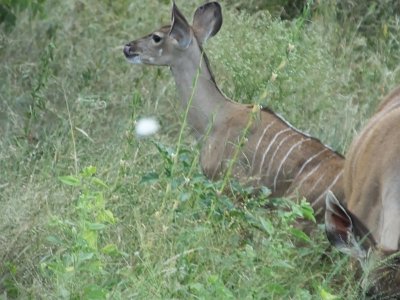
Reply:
x=273, y=154
x=368, y=226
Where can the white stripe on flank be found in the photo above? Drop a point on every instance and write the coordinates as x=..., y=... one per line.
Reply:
x=269, y=147
x=329, y=187
x=309, y=174
x=309, y=160
x=286, y=157
x=315, y=184
x=259, y=142
x=298, y=130
x=276, y=151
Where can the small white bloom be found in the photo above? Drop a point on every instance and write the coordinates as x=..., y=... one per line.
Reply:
x=290, y=48
x=146, y=126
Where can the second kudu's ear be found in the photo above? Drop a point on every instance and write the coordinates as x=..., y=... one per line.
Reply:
x=338, y=223
x=339, y=228
x=207, y=21
x=180, y=28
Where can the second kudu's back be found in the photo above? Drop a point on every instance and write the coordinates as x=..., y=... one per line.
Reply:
x=272, y=153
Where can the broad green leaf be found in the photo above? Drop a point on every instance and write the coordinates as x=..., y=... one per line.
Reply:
x=89, y=171
x=110, y=249
x=106, y=216
x=265, y=191
x=90, y=236
x=325, y=295
x=267, y=226
x=99, y=182
x=85, y=256
x=96, y=226
x=70, y=180
x=307, y=211
x=150, y=177
x=300, y=234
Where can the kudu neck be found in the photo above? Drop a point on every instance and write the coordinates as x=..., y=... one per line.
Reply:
x=197, y=88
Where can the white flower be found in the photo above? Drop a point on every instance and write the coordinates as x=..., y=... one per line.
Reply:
x=146, y=126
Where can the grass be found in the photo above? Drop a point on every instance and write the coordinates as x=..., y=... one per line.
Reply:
x=89, y=211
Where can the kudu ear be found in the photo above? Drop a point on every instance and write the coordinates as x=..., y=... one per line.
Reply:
x=339, y=228
x=180, y=28
x=207, y=21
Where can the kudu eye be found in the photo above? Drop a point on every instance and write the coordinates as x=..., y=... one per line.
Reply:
x=156, y=38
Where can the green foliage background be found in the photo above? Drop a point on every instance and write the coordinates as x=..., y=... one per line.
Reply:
x=90, y=211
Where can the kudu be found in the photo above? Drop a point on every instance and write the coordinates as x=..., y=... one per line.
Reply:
x=273, y=153
x=368, y=227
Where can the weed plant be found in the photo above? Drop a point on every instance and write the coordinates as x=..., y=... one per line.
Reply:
x=90, y=211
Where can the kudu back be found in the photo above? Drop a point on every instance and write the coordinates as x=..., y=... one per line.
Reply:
x=273, y=153
x=368, y=228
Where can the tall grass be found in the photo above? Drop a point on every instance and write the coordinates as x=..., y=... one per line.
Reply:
x=90, y=211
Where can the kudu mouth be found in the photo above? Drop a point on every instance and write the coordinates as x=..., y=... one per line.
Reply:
x=129, y=53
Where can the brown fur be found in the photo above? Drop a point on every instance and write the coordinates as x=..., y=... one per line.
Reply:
x=372, y=196
x=223, y=140
x=373, y=162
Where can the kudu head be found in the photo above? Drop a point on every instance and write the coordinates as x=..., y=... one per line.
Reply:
x=166, y=45
x=347, y=233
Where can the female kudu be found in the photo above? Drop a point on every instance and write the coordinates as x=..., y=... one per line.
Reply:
x=369, y=227
x=273, y=154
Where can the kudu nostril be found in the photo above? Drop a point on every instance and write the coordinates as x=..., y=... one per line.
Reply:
x=127, y=50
